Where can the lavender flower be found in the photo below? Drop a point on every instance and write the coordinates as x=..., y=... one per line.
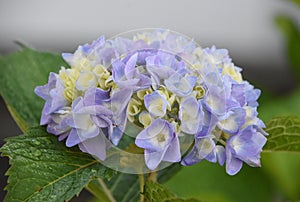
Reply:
x=245, y=146
x=168, y=88
x=160, y=143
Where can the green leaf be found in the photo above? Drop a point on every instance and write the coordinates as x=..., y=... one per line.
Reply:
x=282, y=165
x=20, y=73
x=44, y=169
x=156, y=192
x=284, y=134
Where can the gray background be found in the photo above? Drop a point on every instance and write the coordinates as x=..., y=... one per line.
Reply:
x=246, y=28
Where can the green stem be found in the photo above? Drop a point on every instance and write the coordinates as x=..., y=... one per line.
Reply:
x=142, y=184
x=106, y=190
x=94, y=188
x=152, y=176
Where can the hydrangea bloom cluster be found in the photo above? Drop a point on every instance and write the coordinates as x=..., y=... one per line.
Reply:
x=167, y=85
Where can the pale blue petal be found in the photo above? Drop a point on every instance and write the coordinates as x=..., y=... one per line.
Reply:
x=173, y=152
x=156, y=104
x=130, y=70
x=235, y=120
x=95, y=96
x=73, y=138
x=118, y=71
x=221, y=154
x=179, y=85
x=191, y=115
x=148, y=138
x=233, y=165
x=153, y=159
x=95, y=146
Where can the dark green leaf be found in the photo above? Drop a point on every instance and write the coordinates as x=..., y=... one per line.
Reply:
x=43, y=169
x=284, y=134
x=156, y=192
x=20, y=73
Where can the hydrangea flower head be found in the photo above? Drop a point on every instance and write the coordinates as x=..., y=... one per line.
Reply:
x=164, y=86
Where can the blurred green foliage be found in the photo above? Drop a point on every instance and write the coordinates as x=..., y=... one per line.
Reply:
x=296, y=2
x=292, y=36
x=210, y=182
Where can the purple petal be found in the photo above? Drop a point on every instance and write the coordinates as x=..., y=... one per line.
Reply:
x=221, y=154
x=43, y=91
x=235, y=120
x=206, y=149
x=73, y=138
x=116, y=135
x=209, y=123
x=118, y=71
x=95, y=146
x=173, y=152
x=238, y=93
x=95, y=96
x=191, y=158
x=91, y=48
x=247, y=145
x=191, y=115
x=179, y=85
x=119, y=100
x=101, y=121
x=149, y=137
x=233, y=165
x=45, y=118
x=130, y=70
x=63, y=136
x=152, y=159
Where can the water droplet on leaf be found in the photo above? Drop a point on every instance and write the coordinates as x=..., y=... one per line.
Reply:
x=36, y=142
x=37, y=153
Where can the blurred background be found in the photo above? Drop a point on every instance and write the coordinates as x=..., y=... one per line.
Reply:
x=262, y=37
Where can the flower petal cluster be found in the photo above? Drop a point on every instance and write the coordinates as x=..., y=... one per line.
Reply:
x=165, y=84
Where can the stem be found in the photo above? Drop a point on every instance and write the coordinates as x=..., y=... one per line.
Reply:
x=94, y=188
x=106, y=190
x=142, y=183
x=152, y=176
